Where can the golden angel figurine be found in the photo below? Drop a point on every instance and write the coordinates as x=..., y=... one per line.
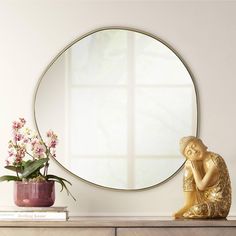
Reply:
x=206, y=186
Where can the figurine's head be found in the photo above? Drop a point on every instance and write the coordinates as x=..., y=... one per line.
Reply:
x=192, y=148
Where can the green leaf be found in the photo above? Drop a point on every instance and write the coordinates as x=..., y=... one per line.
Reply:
x=8, y=178
x=14, y=168
x=33, y=167
x=61, y=182
x=57, y=177
x=25, y=164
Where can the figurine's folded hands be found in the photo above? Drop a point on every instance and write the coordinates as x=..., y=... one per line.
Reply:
x=206, y=180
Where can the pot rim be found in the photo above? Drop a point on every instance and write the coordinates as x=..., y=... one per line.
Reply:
x=28, y=182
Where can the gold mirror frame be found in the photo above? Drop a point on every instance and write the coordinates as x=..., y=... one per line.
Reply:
x=80, y=38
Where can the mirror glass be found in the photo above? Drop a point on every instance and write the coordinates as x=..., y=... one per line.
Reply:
x=119, y=100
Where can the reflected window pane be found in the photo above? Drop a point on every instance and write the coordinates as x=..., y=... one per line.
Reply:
x=155, y=64
x=106, y=171
x=153, y=170
x=98, y=123
x=99, y=59
x=162, y=117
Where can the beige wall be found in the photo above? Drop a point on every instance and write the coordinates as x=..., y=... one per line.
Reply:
x=204, y=34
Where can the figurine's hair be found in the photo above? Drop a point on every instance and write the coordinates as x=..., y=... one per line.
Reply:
x=186, y=140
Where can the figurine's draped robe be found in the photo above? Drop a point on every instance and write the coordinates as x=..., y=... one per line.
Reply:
x=215, y=201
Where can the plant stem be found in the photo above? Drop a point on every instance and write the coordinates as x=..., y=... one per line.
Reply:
x=30, y=155
x=45, y=172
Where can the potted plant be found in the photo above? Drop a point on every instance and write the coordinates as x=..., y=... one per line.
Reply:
x=28, y=157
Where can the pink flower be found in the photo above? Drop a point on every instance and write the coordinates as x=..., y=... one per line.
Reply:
x=52, y=143
x=18, y=137
x=15, y=156
x=20, y=154
x=39, y=150
x=22, y=120
x=18, y=124
x=51, y=134
x=53, y=140
x=34, y=142
x=25, y=140
x=10, y=153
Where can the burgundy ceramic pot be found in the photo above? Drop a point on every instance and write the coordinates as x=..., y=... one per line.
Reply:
x=32, y=194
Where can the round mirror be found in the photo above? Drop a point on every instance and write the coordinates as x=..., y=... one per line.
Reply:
x=119, y=100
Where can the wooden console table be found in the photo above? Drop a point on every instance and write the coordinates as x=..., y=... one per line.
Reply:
x=120, y=226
